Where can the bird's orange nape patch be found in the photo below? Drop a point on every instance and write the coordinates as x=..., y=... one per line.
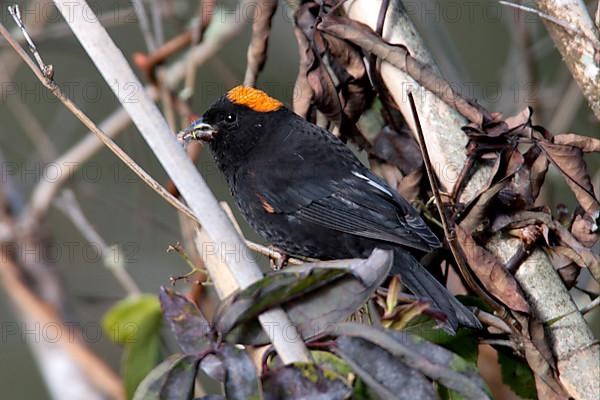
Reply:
x=254, y=99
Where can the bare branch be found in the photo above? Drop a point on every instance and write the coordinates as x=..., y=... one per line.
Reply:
x=579, y=51
x=68, y=204
x=140, y=12
x=33, y=308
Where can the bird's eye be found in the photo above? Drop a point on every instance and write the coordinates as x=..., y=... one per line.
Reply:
x=230, y=118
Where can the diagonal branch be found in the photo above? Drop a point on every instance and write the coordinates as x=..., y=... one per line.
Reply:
x=579, y=50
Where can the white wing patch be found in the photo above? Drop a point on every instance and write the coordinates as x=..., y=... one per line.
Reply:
x=372, y=183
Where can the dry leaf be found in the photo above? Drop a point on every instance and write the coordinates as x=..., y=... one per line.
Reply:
x=261, y=30
x=492, y=274
x=585, y=231
x=570, y=163
x=586, y=144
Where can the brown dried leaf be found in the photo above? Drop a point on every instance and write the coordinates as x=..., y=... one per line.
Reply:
x=399, y=149
x=585, y=231
x=585, y=143
x=303, y=92
x=410, y=185
x=569, y=275
x=570, y=163
x=537, y=174
x=324, y=93
x=567, y=262
x=492, y=274
x=561, y=256
x=520, y=120
x=588, y=258
x=525, y=187
x=354, y=86
x=261, y=29
x=521, y=219
x=581, y=255
x=364, y=37
x=540, y=360
x=477, y=209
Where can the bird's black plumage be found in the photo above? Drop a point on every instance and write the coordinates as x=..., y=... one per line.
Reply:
x=305, y=191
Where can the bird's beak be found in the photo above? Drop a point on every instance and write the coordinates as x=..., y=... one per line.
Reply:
x=198, y=130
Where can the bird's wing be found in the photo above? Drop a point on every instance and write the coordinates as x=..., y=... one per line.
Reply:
x=355, y=202
x=365, y=206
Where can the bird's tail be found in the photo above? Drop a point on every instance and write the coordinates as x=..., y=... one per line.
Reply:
x=416, y=278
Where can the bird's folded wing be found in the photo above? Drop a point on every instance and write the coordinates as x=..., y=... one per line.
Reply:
x=358, y=203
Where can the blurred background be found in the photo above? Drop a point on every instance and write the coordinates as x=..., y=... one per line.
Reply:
x=501, y=57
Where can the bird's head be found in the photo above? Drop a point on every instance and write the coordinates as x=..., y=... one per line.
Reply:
x=235, y=123
x=240, y=108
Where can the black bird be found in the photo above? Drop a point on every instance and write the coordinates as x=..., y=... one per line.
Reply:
x=304, y=191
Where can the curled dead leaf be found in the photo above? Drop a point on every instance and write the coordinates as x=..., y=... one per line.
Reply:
x=585, y=230
x=261, y=30
x=569, y=161
x=492, y=274
x=585, y=143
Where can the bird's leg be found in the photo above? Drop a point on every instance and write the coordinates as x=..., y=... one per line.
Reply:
x=281, y=261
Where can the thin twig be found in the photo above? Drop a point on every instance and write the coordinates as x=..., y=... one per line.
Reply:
x=16, y=14
x=71, y=208
x=56, y=91
x=44, y=192
x=491, y=320
x=257, y=49
x=205, y=13
x=564, y=24
x=498, y=342
x=156, y=12
x=590, y=306
x=142, y=17
x=597, y=15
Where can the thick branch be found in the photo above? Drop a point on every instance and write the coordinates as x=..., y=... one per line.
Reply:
x=579, y=49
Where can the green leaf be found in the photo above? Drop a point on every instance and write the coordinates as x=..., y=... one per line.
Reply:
x=332, y=362
x=516, y=374
x=462, y=343
x=138, y=360
x=448, y=394
x=172, y=379
x=273, y=290
x=135, y=323
x=133, y=318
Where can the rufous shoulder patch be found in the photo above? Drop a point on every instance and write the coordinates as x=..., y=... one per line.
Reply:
x=254, y=99
x=265, y=204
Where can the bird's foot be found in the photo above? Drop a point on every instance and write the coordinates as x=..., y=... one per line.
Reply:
x=280, y=262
